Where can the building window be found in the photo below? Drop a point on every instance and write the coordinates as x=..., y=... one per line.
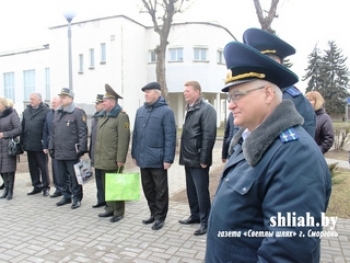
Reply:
x=9, y=87
x=200, y=54
x=152, y=56
x=29, y=83
x=103, y=53
x=47, y=83
x=176, y=54
x=92, y=58
x=220, y=57
x=81, y=63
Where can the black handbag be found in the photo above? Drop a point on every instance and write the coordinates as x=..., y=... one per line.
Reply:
x=15, y=147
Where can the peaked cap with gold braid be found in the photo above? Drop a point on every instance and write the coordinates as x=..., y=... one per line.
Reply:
x=111, y=94
x=267, y=43
x=245, y=64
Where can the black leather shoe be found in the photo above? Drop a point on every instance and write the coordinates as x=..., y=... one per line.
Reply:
x=115, y=219
x=76, y=204
x=34, y=191
x=46, y=192
x=158, y=224
x=55, y=194
x=148, y=220
x=106, y=214
x=189, y=221
x=99, y=205
x=201, y=231
x=64, y=201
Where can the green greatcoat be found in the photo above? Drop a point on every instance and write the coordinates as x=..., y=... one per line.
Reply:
x=111, y=146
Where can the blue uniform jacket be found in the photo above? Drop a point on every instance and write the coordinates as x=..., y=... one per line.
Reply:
x=278, y=169
x=304, y=108
x=154, y=135
x=230, y=131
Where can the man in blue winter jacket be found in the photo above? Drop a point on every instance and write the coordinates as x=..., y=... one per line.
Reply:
x=153, y=150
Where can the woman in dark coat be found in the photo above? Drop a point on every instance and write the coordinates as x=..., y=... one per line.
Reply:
x=324, y=134
x=10, y=125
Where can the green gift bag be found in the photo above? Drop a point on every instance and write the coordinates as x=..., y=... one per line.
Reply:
x=122, y=186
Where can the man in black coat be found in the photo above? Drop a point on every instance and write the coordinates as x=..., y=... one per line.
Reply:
x=33, y=122
x=197, y=142
x=68, y=143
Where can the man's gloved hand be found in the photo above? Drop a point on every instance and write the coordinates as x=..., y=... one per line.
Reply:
x=80, y=154
x=52, y=153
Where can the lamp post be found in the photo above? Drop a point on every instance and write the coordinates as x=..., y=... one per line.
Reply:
x=69, y=16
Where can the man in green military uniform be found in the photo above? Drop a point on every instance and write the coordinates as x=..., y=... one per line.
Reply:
x=111, y=146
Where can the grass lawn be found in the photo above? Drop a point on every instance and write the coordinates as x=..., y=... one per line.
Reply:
x=341, y=124
x=339, y=204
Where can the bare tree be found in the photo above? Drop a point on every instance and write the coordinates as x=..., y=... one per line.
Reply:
x=162, y=21
x=266, y=20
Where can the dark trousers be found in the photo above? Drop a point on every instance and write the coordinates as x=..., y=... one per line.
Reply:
x=100, y=194
x=55, y=176
x=155, y=187
x=117, y=207
x=197, y=184
x=38, y=165
x=71, y=188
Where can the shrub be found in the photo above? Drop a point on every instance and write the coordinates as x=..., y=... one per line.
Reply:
x=341, y=138
x=333, y=168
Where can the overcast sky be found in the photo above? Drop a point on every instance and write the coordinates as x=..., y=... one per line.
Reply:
x=302, y=23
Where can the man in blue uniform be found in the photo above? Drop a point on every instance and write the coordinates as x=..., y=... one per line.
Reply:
x=277, y=49
x=275, y=170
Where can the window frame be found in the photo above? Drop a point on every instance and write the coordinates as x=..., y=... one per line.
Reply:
x=47, y=83
x=92, y=58
x=178, y=57
x=81, y=63
x=220, y=57
x=103, y=53
x=202, y=51
x=9, y=88
x=28, y=82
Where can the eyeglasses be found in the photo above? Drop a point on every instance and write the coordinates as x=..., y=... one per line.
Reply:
x=237, y=95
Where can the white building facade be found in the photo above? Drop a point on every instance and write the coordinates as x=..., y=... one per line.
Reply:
x=119, y=51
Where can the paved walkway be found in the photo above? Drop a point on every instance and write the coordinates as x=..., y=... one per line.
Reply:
x=33, y=229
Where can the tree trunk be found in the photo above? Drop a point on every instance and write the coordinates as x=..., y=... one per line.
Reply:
x=160, y=69
x=265, y=22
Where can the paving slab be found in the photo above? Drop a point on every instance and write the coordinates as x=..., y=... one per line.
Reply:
x=34, y=229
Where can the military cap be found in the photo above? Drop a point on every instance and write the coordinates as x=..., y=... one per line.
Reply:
x=67, y=92
x=110, y=93
x=245, y=64
x=99, y=98
x=151, y=85
x=267, y=43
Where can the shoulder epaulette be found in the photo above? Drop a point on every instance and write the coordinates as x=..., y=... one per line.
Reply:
x=293, y=91
x=289, y=135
